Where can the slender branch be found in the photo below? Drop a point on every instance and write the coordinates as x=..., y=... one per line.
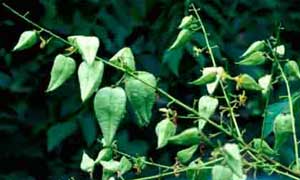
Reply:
x=291, y=112
x=215, y=65
x=205, y=166
x=146, y=162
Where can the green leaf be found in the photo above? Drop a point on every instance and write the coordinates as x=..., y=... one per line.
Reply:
x=256, y=46
x=211, y=87
x=263, y=146
x=164, y=130
x=139, y=163
x=291, y=68
x=205, y=79
x=187, y=137
x=172, y=59
x=141, y=96
x=195, y=172
x=257, y=58
x=109, y=106
x=246, y=82
x=186, y=22
x=59, y=132
x=233, y=158
x=90, y=77
x=87, y=163
x=112, y=165
x=62, y=69
x=183, y=37
x=27, y=40
x=87, y=46
x=282, y=129
x=186, y=154
x=271, y=112
x=105, y=154
x=206, y=108
x=220, y=172
x=125, y=165
x=88, y=127
x=124, y=58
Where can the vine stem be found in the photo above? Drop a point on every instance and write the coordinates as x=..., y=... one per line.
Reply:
x=221, y=128
x=211, y=54
x=146, y=162
x=205, y=166
x=296, y=151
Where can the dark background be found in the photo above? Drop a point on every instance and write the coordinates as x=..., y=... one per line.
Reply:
x=148, y=27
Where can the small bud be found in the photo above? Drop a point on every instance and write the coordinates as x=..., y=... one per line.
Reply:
x=205, y=79
x=186, y=22
x=246, y=82
x=256, y=46
x=26, y=40
x=256, y=58
x=291, y=68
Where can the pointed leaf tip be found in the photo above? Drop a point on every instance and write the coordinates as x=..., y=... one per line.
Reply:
x=27, y=40
x=62, y=69
x=90, y=77
x=87, y=46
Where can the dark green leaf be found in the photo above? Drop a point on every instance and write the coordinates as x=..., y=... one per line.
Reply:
x=88, y=127
x=183, y=37
x=172, y=59
x=282, y=129
x=271, y=112
x=59, y=132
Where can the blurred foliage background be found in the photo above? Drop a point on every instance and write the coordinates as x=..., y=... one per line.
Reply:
x=43, y=134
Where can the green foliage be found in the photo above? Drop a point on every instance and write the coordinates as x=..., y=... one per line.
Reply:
x=59, y=132
x=185, y=155
x=90, y=77
x=87, y=46
x=26, y=40
x=164, y=130
x=224, y=124
x=140, y=91
x=187, y=137
x=62, y=69
x=109, y=106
